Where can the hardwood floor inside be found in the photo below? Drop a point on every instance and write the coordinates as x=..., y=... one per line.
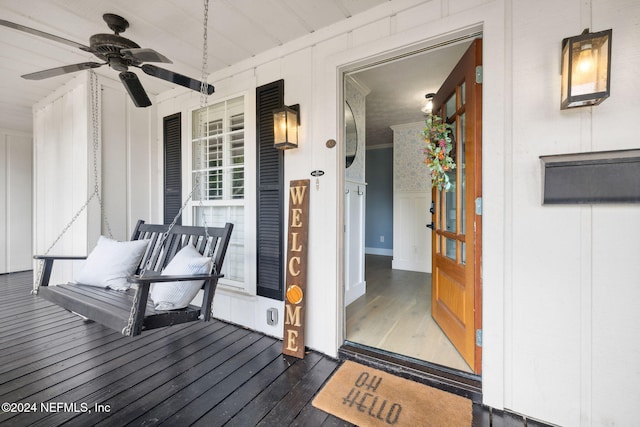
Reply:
x=395, y=315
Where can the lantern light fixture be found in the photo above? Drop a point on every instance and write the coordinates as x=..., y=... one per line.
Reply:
x=428, y=104
x=586, y=69
x=285, y=127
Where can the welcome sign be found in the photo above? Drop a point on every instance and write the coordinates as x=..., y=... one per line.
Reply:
x=296, y=280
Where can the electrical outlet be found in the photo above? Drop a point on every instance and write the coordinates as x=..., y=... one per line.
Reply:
x=381, y=239
x=272, y=316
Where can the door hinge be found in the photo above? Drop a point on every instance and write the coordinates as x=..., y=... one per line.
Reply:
x=479, y=206
x=479, y=337
x=479, y=74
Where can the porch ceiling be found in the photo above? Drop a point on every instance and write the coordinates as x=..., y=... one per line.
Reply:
x=237, y=30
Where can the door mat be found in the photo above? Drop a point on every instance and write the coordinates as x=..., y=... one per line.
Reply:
x=369, y=397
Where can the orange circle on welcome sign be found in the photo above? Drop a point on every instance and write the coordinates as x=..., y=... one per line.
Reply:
x=294, y=294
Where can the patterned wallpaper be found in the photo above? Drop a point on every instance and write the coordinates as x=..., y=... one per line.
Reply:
x=410, y=173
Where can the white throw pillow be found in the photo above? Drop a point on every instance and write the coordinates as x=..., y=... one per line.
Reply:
x=175, y=295
x=111, y=262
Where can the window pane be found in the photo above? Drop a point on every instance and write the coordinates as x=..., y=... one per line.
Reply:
x=218, y=176
x=233, y=267
x=218, y=150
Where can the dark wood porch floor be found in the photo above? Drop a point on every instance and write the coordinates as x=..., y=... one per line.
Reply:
x=57, y=369
x=195, y=374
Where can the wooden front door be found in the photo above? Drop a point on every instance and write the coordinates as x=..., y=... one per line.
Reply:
x=457, y=231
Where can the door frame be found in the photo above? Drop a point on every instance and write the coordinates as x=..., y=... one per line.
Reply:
x=355, y=351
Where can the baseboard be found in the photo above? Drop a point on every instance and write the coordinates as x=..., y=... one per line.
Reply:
x=378, y=251
x=423, y=267
x=355, y=292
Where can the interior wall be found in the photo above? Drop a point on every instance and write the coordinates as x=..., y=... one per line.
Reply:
x=411, y=200
x=379, y=207
x=15, y=201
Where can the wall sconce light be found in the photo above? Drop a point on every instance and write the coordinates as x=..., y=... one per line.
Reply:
x=428, y=104
x=586, y=69
x=285, y=127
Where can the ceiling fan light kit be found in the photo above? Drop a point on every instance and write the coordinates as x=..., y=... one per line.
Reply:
x=119, y=53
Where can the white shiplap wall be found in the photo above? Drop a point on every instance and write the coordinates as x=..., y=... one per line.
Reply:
x=15, y=201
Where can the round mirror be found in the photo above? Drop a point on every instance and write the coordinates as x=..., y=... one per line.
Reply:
x=350, y=135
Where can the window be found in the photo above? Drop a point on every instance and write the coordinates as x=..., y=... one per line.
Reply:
x=218, y=177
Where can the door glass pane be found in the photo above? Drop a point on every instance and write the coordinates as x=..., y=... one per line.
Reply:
x=463, y=95
x=450, y=106
x=450, y=201
x=464, y=253
x=442, y=209
x=462, y=172
x=450, y=251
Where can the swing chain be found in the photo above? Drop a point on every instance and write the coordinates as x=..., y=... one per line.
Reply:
x=203, y=103
x=93, y=90
x=126, y=331
x=205, y=56
x=96, y=146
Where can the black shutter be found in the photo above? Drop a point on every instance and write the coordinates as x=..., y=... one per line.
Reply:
x=270, y=177
x=172, y=130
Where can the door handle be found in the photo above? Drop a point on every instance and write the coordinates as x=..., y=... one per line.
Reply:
x=430, y=226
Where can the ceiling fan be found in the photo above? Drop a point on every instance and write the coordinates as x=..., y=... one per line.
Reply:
x=120, y=54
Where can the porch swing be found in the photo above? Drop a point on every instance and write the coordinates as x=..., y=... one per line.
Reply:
x=178, y=260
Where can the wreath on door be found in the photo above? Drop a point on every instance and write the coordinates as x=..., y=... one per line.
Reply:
x=437, y=136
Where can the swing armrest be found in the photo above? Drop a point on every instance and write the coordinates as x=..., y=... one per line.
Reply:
x=159, y=279
x=210, y=284
x=45, y=274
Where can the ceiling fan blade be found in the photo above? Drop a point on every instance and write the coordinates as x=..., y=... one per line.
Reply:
x=176, y=78
x=134, y=87
x=44, y=35
x=58, y=71
x=143, y=54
